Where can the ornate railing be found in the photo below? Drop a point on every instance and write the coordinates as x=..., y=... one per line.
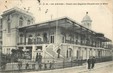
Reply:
x=30, y=43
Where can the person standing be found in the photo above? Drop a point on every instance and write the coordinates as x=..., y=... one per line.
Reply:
x=58, y=51
x=89, y=63
x=93, y=62
x=40, y=58
x=37, y=57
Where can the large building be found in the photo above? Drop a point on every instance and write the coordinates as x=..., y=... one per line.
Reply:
x=57, y=39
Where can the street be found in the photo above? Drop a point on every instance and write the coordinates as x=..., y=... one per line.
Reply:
x=105, y=67
x=99, y=68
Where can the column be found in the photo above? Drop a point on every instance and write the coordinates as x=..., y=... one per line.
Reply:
x=34, y=53
x=84, y=53
x=87, y=53
x=81, y=35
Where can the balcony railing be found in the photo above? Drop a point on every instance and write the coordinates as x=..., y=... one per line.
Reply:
x=67, y=41
x=30, y=43
x=85, y=44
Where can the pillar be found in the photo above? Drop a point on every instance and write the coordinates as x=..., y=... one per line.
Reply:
x=34, y=53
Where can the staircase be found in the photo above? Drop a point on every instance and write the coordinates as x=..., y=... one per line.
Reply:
x=49, y=49
x=56, y=48
x=52, y=50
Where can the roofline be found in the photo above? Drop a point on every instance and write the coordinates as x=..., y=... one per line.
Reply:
x=18, y=10
x=44, y=22
x=60, y=19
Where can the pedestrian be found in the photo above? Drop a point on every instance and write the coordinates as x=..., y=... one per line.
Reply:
x=58, y=51
x=37, y=57
x=89, y=63
x=33, y=66
x=40, y=58
x=93, y=62
x=45, y=66
x=40, y=66
x=19, y=65
x=27, y=66
x=50, y=65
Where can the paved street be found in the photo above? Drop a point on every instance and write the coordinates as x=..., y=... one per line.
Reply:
x=99, y=68
x=105, y=67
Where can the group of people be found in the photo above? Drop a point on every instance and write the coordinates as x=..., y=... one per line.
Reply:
x=91, y=62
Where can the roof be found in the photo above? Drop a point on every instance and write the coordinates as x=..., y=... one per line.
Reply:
x=70, y=26
x=18, y=10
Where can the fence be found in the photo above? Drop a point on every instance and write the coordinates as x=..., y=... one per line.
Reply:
x=32, y=66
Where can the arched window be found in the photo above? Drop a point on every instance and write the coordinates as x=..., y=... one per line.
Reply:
x=21, y=21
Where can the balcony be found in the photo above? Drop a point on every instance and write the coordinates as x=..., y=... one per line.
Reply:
x=31, y=43
x=87, y=43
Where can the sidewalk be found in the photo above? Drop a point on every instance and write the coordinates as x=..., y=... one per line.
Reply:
x=78, y=69
x=75, y=69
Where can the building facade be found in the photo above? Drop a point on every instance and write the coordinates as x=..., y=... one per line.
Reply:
x=57, y=39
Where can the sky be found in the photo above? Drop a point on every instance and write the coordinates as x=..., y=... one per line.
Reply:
x=100, y=11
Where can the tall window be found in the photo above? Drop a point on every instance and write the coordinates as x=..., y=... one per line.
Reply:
x=21, y=21
x=63, y=39
x=21, y=38
x=52, y=39
x=45, y=37
x=30, y=39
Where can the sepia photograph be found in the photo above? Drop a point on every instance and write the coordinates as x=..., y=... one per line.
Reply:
x=56, y=36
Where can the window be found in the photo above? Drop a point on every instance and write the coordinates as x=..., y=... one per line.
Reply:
x=52, y=39
x=8, y=50
x=21, y=38
x=38, y=40
x=63, y=39
x=8, y=27
x=45, y=37
x=28, y=22
x=30, y=39
x=21, y=21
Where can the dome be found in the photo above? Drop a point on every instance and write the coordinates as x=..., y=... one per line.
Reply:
x=86, y=17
